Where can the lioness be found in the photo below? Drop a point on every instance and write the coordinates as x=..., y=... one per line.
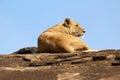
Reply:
x=62, y=38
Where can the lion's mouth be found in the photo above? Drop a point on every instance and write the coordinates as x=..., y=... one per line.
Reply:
x=78, y=35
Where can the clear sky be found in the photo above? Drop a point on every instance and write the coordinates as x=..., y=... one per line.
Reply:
x=21, y=21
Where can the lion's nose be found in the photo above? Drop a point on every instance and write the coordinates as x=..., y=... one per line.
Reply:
x=83, y=31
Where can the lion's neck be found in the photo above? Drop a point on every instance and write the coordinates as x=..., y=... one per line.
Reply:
x=59, y=28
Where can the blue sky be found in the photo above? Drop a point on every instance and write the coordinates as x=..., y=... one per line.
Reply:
x=21, y=21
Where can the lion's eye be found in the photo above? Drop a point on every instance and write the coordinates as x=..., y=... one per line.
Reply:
x=76, y=25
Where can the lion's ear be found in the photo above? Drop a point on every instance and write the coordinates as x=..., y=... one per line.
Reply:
x=67, y=22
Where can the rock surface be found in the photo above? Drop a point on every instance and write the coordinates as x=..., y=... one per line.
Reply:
x=95, y=65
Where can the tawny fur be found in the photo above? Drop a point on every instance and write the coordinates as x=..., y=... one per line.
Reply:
x=63, y=38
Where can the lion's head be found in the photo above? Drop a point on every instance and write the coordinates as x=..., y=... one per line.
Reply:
x=73, y=28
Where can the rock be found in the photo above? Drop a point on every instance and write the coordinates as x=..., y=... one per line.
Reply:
x=27, y=50
x=116, y=61
x=117, y=57
x=68, y=76
x=114, y=77
x=25, y=64
x=110, y=56
x=97, y=58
